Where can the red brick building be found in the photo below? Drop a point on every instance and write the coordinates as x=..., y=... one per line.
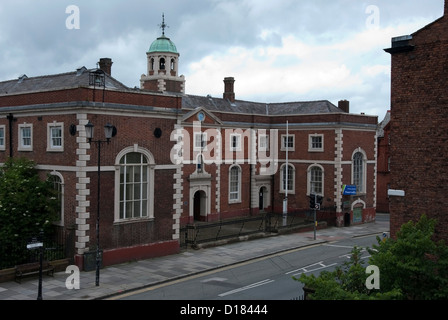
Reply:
x=177, y=158
x=419, y=126
x=383, y=166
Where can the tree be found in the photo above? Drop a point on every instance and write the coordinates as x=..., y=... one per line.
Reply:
x=28, y=205
x=414, y=262
x=344, y=283
x=412, y=266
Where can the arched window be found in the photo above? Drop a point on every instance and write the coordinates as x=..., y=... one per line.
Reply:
x=55, y=179
x=287, y=178
x=134, y=186
x=172, y=64
x=162, y=64
x=316, y=180
x=152, y=64
x=235, y=184
x=358, y=171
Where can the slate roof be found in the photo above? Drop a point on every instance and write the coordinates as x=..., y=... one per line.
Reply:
x=80, y=78
x=247, y=107
x=75, y=79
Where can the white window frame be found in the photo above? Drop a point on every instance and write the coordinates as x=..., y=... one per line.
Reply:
x=203, y=141
x=362, y=189
x=283, y=142
x=150, y=196
x=21, y=146
x=235, y=137
x=263, y=142
x=62, y=191
x=311, y=147
x=292, y=172
x=309, y=176
x=50, y=146
x=3, y=138
x=238, y=192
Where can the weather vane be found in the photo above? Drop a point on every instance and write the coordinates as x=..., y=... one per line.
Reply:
x=163, y=25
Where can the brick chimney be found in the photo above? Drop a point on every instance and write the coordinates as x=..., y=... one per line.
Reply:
x=344, y=105
x=106, y=65
x=229, y=92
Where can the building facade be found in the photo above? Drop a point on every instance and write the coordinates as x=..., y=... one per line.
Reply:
x=419, y=127
x=176, y=159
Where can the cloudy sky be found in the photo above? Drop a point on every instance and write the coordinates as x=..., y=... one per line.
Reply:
x=278, y=51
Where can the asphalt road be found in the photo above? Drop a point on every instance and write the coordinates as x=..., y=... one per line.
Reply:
x=268, y=278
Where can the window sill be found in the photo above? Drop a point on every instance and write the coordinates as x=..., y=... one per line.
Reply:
x=315, y=150
x=289, y=191
x=133, y=220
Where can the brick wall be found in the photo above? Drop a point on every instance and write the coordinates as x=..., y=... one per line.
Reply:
x=138, y=98
x=419, y=128
x=136, y=129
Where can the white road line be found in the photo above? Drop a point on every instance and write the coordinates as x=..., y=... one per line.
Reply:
x=337, y=246
x=250, y=286
x=307, y=268
x=214, y=279
x=315, y=269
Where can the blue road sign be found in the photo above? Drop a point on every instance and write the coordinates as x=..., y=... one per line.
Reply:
x=349, y=190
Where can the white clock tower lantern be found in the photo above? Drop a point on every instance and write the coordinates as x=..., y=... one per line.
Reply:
x=163, y=66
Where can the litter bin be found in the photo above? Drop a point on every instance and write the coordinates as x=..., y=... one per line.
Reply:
x=347, y=219
x=90, y=260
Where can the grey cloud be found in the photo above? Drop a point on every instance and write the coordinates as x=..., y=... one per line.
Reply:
x=35, y=41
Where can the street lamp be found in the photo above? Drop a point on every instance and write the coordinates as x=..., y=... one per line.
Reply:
x=109, y=132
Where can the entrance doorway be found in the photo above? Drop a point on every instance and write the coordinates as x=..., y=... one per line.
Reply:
x=199, y=206
x=263, y=196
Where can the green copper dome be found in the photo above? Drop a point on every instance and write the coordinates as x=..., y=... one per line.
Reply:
x=163, y=44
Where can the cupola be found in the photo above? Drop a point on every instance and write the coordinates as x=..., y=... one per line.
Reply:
x=163, y=66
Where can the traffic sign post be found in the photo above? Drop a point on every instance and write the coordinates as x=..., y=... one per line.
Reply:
x=35, y=244
x=315, y=203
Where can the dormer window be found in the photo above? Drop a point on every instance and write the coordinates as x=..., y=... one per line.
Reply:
x=22, y=78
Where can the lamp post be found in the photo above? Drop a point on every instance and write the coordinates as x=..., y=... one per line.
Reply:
x=109, y=132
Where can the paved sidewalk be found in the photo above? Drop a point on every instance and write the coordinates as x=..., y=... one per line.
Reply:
x=124, y=277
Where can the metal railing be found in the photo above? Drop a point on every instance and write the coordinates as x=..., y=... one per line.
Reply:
x=203, y=232
x=207, y=232
x=15, y=251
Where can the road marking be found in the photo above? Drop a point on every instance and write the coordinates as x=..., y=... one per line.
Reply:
x=306, y=269
x=250, y=286
x=151, y=287
x=337, y=246
x=216, y=279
